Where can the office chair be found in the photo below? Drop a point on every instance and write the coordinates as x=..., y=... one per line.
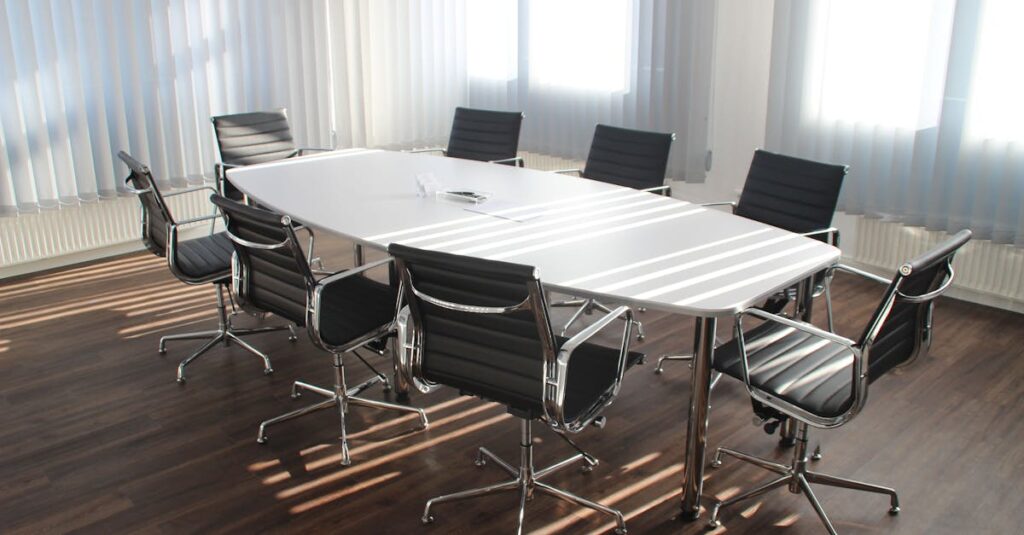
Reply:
x=631, y=158
x=343, y=313
x=252, y=138
x=793, y=369
x=796, y=195
x=484, y=135
x=197, y=261
x=482, y=326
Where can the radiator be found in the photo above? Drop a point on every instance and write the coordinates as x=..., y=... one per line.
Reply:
x=51, y=238
x=987, y=273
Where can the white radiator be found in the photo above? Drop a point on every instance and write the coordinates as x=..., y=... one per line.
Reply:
x=32, y=242
x=986, y=273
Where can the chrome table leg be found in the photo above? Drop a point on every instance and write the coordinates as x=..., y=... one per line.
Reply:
x=697, y=426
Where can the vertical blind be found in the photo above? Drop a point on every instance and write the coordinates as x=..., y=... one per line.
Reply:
x=83, y=79
x=922, y=98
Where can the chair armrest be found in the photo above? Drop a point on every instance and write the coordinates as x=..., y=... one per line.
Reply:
x=664, y=190
x=436, y=149
x=800, y=326
x=301, y=151
x=721, y=203
x=861, y=273
x=328, y=280
x=858, y=370
x=578, y=172
x=190, y=190
x=556, y=374
x=196, y=220
x=832, y=232
x=518, y=160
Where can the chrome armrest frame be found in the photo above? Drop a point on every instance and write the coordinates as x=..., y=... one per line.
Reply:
x=861, y=273
x=578, y=172
x=556, y=374
x=664, y=190
x=172, y=250
x=190, y=190
x=858, y=370
x=434, y=149
x=301, y=151
x=519, y=161
x=315, y=302
x=721, y=203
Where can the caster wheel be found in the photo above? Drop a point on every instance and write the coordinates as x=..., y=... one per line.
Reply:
x=162, y=351
x=714, y=524
x=894, y=510
x=640, y=338
x=268, y=371
x=658, y=371
x=386, y=387
x=716, y=463
x=297, y=395
x=181, y=380
x=261, y=440
x=427, y=520
x=480, y=462
x=620, y=531
x=586, y=469
x=293, y=338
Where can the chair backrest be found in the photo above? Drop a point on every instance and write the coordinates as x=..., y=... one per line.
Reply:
x=900, y=329
x=255, y=137
x=484, y=135
x=630, y=158
x=791, y=193
x=484, y=325
x=271, y=272
x=156, y=218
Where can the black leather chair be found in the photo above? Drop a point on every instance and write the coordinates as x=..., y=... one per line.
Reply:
x=624, y=157
x=797, y=195
x=252, y=138
x=484, y=135
x=197, y=261
x=482, y=326
x=795, y=370
x=343, y=313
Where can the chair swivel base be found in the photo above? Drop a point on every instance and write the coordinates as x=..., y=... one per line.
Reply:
x=225, y=333
x=797, y=478
x=340, y=398
x=587, y=306
x=525, y=481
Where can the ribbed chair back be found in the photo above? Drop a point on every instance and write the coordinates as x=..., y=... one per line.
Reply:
x=255, y=137
x=156, y=218
x=484, y=135
x=630, y=158
x=496, y=356
x=274, y=274
x=900, y=328
x=791, y=193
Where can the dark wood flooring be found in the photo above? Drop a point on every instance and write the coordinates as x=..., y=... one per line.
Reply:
x=96, y=436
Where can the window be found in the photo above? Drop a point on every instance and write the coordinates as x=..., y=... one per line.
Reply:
x=581, y=44
x=997, y=86
x=491, y=40
x=879, y=62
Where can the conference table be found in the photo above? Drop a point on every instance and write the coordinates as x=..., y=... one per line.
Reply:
x=586, y=238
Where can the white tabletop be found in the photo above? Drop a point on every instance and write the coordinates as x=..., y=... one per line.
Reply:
x=591, y=239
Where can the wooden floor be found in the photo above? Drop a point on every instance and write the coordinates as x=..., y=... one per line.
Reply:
x=97, y=437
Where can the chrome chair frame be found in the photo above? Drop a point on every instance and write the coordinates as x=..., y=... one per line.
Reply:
x=341, y=395
x=556, y=366
x=796, y=477
x=225, y=331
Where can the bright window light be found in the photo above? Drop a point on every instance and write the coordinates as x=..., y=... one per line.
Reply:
x=996, y=109
x=580, y=44
x=880, y=62
x=491, y=39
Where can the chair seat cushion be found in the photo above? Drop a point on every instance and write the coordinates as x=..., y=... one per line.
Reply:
x=807, y=371
x=205, y=258
x=591, y=373
x=354, y=306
